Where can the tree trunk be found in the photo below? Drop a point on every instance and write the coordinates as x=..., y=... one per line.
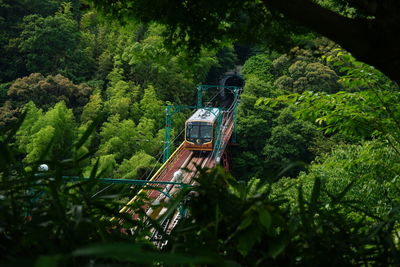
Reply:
x=373, y=41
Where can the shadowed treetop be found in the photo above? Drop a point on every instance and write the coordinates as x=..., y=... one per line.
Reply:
x=368, y=31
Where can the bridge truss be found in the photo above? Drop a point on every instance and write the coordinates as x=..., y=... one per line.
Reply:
x=180, y=168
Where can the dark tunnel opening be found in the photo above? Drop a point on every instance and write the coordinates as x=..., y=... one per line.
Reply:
x=227, y=96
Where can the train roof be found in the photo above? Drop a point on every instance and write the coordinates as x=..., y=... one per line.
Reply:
x=206, y=115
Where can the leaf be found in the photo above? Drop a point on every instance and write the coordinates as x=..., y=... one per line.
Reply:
x=173, y=205
x=47, y=149
x=315, y=193
x=87, y=133
x=47, y=261
x=14, y=130
x=93, y=172
x=276, y=248
x=247, y=241
x=320, y=120
x=265, y=218
x=262, y=100
x=289, y=166
x=302, y=209
x=84, y=156
x=344, y=192
x=134, y=253
x=245, y=223
x=273, y=104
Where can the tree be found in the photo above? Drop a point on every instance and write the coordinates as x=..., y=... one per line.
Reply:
x=118, y=137
x=227, y=60
x=106, y=166
x=8, y=114
x=45, y=92
x=46, y=137
x=304, y=69
x=54, y=45
x=254, y=122
x=139, y=166
x=120, y=98
x=367, y=109
x=151, y=64
x=12, y=13
x=93, y=108
x=368, y=167
x=368, y=34
x=148, y=139
x=289, y=142
x=25, y=132
x=309, y=76
x=152, y=108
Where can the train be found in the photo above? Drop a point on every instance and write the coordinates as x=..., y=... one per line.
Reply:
x=200, y=129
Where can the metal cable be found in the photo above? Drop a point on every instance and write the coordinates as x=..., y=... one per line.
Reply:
x=102, y=190
x=161, y=154
x=230, y=114
x=147, y=174
x=211, y=99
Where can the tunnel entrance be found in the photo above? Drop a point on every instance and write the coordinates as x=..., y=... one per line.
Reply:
x=233, y=80
x=227, y=96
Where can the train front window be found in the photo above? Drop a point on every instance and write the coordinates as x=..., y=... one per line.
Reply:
x=198, y=130
x=206, y=132
x=192, y=130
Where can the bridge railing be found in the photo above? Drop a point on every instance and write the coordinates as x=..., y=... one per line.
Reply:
x=166, y=165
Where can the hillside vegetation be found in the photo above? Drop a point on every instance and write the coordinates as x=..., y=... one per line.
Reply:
x=315, y=173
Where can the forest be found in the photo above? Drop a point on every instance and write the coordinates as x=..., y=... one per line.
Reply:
x=314, y=178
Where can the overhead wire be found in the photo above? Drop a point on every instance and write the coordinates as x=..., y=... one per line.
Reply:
x=102, y=190
x=160, y=154
x=147, y=173
x=228, y=111
x=216, y=94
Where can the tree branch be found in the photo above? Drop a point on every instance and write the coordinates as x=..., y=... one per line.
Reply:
x=369, y=40
x=370, y=7
x=349, y=33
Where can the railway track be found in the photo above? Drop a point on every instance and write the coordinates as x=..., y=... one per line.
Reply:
x=189, y=171
x=179, y=170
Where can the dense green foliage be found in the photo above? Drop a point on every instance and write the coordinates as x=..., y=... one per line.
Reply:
x=315, y=172
x=75, y=67
x=364, y=28
x=272, y=137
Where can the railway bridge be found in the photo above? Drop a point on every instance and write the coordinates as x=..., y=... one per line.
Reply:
x=180, y=168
